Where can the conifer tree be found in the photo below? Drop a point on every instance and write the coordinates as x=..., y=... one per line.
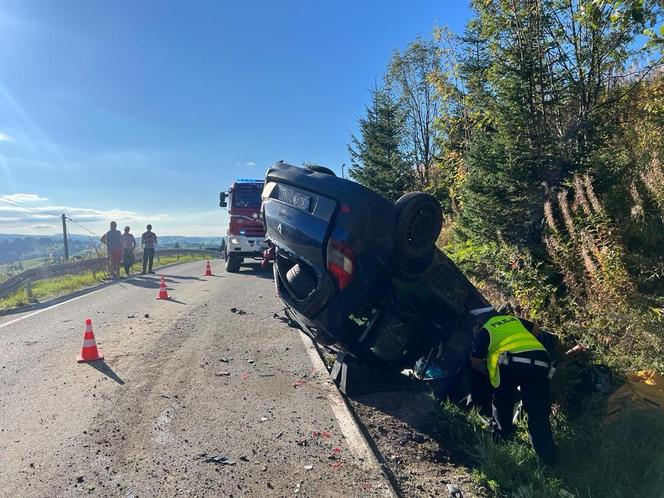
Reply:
x=377, y=158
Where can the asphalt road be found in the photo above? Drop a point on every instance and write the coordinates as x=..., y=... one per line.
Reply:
x=183, y=381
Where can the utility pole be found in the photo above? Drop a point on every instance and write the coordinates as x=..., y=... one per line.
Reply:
x=64, y=235
x=343, y=174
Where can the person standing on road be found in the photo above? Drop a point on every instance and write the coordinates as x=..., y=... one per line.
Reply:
x=112, y=240
x=128, y=246
x=149, y=241
x=507, y=348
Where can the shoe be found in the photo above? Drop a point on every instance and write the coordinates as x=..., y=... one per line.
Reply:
x=143, y=272
x=151, y=272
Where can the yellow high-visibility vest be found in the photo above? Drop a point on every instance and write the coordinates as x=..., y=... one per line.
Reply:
x=507, y=333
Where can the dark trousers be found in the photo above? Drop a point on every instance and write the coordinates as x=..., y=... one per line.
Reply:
x=148, y=258
x=534, y=389
x=128, y=260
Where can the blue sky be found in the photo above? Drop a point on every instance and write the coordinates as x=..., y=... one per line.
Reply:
x=143, y=110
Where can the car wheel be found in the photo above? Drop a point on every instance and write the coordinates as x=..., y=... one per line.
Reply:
x=320, y=169
x=419, y=220
x=301, y=281
x=232, y=263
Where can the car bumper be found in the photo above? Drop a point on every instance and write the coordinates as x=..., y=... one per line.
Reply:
x=241, y=244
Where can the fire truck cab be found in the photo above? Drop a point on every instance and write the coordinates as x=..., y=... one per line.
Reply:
x=245, y=236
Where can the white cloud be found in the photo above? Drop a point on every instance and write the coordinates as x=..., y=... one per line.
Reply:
x=24, y=197
x=250, y=163
x=45, y=219
x=5, y=138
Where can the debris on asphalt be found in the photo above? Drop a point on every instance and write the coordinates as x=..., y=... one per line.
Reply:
x=284, y=319
x=251, y=361
x=298, y=382
x=131, y=316
x=223, y=373
x=245, y=375
x=225, y=360
x=297, y=487
x=308, y=467
x=266, y=375
x=278, y=435
x=263, y=419
x=454, y=490
x=238, y=311
x=218, y=459
x=147, y=315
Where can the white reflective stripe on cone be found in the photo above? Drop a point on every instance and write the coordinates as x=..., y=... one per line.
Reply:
x=88, y=343
x=88, y=328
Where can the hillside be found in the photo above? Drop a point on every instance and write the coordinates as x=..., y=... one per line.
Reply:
x=22, y=247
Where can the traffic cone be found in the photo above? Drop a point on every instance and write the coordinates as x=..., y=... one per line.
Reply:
x=89, y=351
x=208, y=270
x=163, y=292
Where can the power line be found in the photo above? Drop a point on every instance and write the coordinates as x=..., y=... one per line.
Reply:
x=25, y=206
x=83, y=227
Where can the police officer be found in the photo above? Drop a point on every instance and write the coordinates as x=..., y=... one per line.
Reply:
x=505, y=346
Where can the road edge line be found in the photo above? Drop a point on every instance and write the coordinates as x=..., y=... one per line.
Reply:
x=352, y=432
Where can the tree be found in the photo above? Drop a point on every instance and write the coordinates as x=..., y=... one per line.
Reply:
x=377, y=159
x=410, y=77
x=555, y=70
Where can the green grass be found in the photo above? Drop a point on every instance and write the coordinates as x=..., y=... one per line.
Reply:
x=58, y=286
x=599, y=458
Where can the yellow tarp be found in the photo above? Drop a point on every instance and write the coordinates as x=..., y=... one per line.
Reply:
x=644, y=389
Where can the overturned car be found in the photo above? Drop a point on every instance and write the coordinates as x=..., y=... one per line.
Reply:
x=362, y=274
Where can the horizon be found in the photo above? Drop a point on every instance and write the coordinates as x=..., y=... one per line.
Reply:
x=59, y=236
x=142, y=112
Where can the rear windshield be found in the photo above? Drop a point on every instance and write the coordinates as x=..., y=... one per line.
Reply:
x=247, y=196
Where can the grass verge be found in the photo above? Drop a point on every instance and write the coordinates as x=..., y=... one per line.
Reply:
x=599, y=457
x=58, y=286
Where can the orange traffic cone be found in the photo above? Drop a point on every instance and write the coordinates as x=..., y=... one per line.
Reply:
x=208, y=270
x=89, y=351
x=163, y=292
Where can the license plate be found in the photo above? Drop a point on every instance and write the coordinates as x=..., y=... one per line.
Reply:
x=294, y=199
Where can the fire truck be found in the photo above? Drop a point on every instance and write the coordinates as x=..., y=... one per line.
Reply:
x=245, y=237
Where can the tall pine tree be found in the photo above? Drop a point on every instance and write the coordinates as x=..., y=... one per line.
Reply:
x=377, y=157
x=511, y=160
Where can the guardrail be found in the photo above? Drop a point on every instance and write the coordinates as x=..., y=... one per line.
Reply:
x=29, y=276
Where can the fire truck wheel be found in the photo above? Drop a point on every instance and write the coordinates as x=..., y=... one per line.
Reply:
x=233, y=263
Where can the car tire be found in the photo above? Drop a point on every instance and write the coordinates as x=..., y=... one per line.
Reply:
x=419, y=220
x=320, y=169
x=232, y=263
x=300, y=281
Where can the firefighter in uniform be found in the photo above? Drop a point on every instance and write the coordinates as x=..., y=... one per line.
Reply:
x=515, y=358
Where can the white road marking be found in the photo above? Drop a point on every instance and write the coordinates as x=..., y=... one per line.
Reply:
x=6, y=324
x=354, y=438
x=103, y=286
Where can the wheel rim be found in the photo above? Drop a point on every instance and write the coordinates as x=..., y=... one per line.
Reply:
x=421, y=228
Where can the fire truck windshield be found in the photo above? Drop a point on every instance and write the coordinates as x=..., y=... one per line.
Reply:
x=247, y=199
